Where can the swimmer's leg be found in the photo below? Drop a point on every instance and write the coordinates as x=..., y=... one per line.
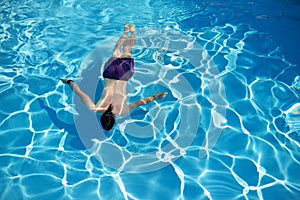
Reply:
x=117, y=51
x=85, y=99
x=129, y=43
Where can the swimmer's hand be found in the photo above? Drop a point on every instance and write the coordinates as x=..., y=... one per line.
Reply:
x=126, y=28
x=160, y=95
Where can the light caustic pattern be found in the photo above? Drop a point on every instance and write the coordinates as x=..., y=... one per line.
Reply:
x=228, y=128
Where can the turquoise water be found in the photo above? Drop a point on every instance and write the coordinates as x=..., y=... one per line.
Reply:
x=228, y=129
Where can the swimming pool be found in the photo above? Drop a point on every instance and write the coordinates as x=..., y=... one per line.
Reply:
x=229, y=128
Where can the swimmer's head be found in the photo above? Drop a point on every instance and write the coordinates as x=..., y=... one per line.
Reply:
x=108, y=119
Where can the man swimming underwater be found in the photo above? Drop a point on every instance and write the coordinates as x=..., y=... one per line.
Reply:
x=117, y=71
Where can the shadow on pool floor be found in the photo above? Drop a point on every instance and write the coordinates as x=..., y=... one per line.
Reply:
x=70, y=128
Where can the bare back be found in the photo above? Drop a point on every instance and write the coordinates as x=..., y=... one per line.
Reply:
x=114, y=93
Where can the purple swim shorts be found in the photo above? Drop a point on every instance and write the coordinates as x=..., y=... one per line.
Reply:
x=119, y=68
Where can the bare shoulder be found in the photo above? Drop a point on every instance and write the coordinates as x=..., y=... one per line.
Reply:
x=98, y=109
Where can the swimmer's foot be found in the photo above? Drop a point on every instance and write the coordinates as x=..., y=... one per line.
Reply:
x=66, y=81
x=132, y=28
x=126, y=28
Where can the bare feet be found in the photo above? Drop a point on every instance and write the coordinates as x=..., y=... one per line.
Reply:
x=132, y=28
x=126, y=28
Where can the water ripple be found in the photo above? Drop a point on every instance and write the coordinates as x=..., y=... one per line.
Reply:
x=242, y=87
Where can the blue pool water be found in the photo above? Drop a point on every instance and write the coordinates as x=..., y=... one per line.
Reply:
x=228, y=129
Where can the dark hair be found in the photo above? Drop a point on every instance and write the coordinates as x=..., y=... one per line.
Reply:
x=107, y=119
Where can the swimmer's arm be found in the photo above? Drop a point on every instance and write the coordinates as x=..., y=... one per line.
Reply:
x=141, y=102
x=147, y=100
